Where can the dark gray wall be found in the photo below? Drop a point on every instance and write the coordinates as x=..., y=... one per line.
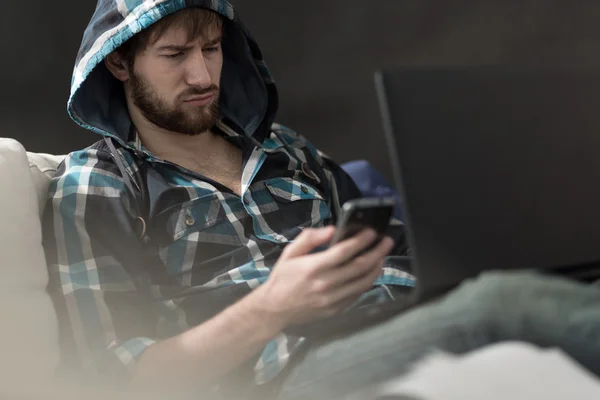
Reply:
x=322, y=54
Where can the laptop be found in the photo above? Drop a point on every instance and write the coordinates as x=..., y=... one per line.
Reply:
x=498, y=168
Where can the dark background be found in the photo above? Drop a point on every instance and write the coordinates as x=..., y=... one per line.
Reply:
x=322, y=54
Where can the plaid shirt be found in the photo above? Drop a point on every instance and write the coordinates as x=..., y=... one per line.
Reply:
x=211, y=245
x=118, y=291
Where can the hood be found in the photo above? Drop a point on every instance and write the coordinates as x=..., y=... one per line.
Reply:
x=97, y=102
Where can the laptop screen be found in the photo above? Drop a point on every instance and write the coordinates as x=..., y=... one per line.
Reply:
x=499, y=168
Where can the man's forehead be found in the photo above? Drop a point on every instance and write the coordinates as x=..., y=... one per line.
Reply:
x=181, y=35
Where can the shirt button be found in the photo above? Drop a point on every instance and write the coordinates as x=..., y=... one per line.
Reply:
x=304, y=189
x=306, y=169
x=189, y=220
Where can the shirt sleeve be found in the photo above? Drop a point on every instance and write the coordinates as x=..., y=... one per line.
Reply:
x=341, y=186
x=345, y=187
x=105, y=322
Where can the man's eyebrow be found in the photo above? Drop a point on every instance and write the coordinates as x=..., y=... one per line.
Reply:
x=172, y=47
x=175, y=47
x=214, y=41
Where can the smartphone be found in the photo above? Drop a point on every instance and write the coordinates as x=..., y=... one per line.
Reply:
x=359, y=214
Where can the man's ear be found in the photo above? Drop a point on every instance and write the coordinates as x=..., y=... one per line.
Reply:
x=117, y=66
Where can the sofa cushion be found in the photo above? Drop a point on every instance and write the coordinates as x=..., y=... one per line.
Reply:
x=42, y=168
x=29, y=334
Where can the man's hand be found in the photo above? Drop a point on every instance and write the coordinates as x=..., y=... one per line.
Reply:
x=304, y=287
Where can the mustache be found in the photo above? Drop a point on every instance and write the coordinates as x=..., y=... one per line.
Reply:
x=195, y=91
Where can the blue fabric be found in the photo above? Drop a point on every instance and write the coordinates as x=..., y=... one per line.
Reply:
x=371, y=183
x=497, y=306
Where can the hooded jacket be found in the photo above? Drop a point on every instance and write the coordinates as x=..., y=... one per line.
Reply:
x=141, y=249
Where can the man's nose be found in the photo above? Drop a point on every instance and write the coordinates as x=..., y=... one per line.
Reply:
x=197, y=72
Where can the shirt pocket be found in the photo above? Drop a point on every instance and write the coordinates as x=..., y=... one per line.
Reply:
x=196, y=241
x=294, y=204
x=286, y=190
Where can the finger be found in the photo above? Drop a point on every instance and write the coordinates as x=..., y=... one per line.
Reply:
x=360, y=266
x=371, y=259
x=370, y=277
x=383, y=248
x=356, y=268
x=307, y=241
x=346, y=250
x=356, y=287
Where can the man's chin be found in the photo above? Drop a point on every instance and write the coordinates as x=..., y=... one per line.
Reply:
x=195, y=127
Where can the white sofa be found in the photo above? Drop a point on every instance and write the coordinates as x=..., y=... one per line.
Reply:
x=29, y=346
x=29, y=333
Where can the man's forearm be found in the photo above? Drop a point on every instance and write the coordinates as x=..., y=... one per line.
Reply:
x=200, y=356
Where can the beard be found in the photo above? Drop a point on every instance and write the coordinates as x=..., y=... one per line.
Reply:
x=175, y=118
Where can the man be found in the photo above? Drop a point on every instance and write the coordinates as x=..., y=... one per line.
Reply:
x=181, y=246
x=189, y=203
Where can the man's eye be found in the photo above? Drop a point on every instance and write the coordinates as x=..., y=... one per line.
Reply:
x=175, y=55
x=211, y=49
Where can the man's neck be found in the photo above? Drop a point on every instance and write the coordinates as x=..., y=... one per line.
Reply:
x=174, y=147
x=207, y=154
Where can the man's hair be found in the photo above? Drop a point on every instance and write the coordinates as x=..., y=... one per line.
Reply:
x=196, y=22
